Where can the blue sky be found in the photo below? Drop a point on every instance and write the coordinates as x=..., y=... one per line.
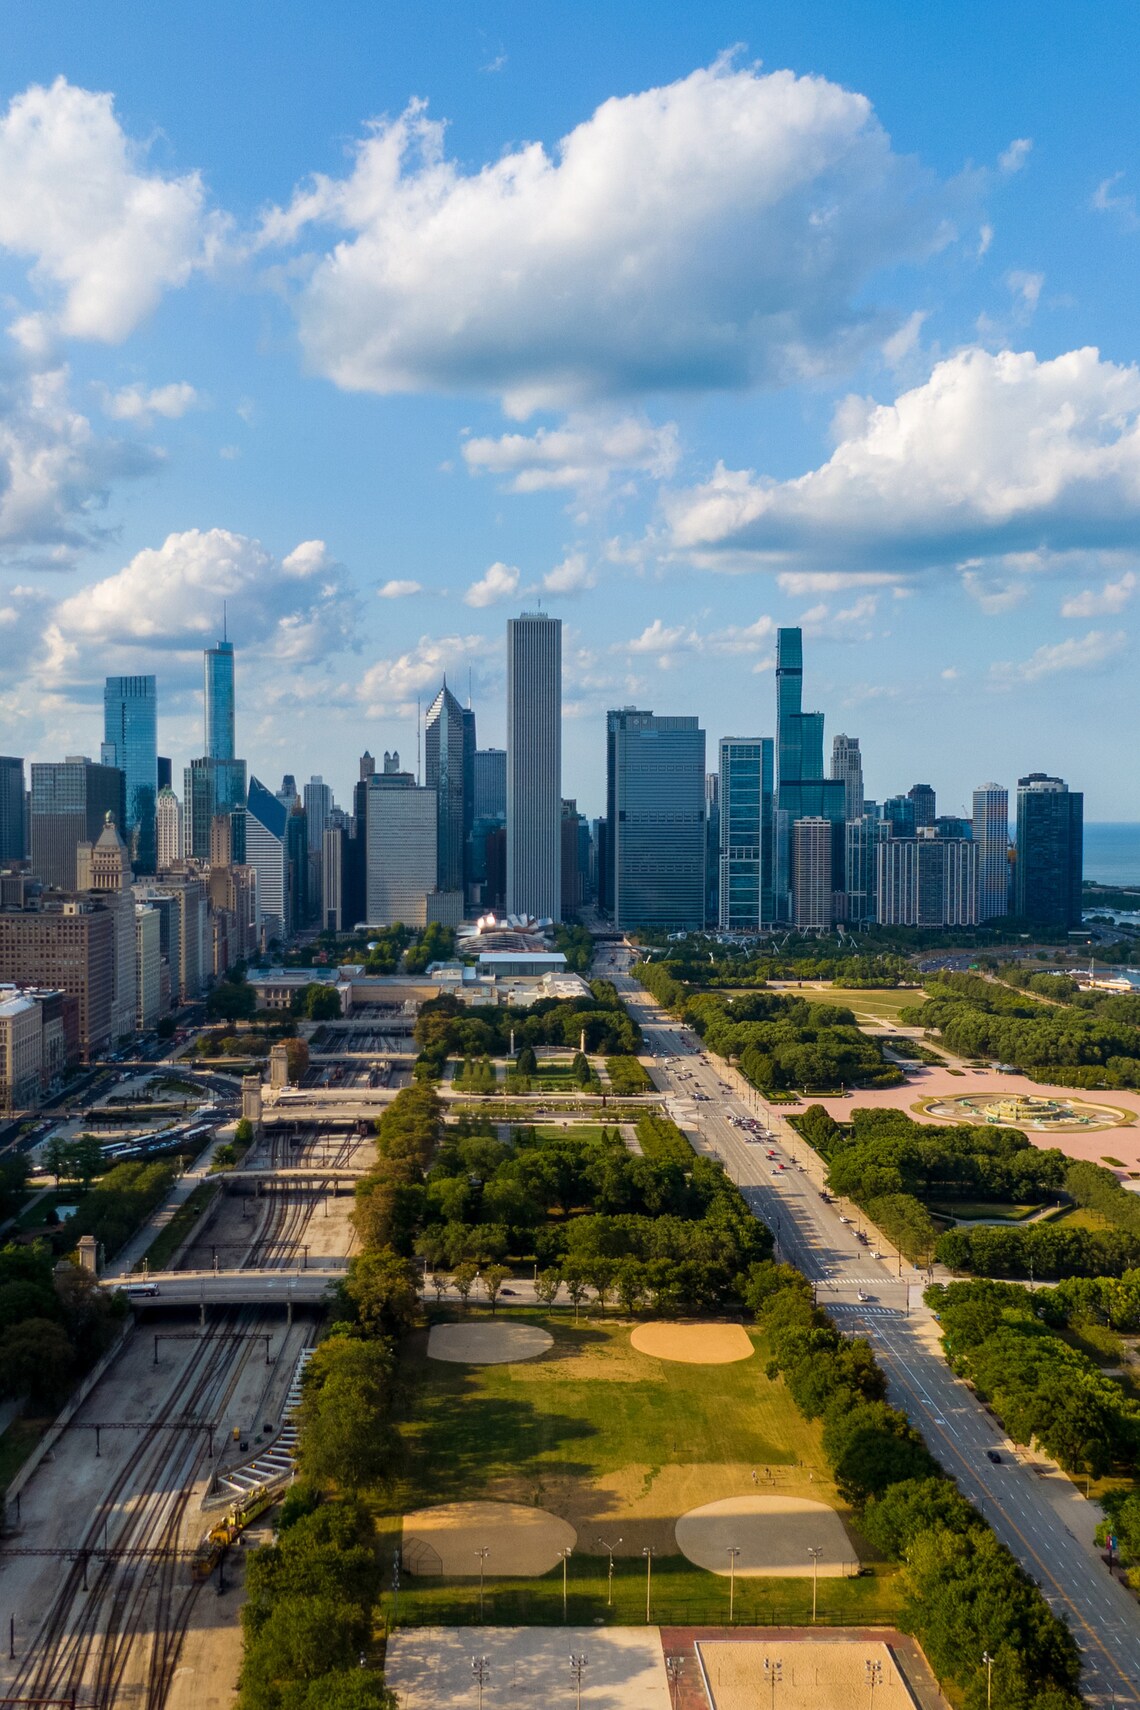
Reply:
x=382, y=320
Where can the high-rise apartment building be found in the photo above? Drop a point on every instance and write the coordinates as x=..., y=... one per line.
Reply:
x=168, y=830
x=928, y=882
x=847, y=768
x=445, y=756
x=209, y=787
x=1050, y=851
x=747, y=828
x=534, y=765
x=70, y=802
x=130, y=742
x=334, y=872
x=317, y=798
x=812, y=875
x=148, y=966
x=657, y=833
x=220, y=701
x=13, y=844
x=69, y=947
x=712, y=847
x=991, y=834
x=925, y=806
x=863, y=837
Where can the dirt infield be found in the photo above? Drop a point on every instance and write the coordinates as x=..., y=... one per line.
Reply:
x=814, y=1674
x=527, y=1666
x=773, y=1535
x=445, y=1542
x=490, y=1342
x=693, y=1344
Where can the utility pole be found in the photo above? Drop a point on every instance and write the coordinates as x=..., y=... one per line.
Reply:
x=874, y=1678
x=989, y=1662
x=733, y=1552
x=773, y=1674
x=482, y=1555
x=648, y=1552
x=565, y=1554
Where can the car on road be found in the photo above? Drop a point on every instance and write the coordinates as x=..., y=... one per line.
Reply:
x=863, y=1296
x=992, y=1455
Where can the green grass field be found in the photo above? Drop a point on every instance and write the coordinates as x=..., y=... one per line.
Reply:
x=871, y=1005
x=620, y=1445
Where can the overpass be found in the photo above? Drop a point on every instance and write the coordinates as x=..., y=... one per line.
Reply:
x=291, y=1288
x=294, y=1177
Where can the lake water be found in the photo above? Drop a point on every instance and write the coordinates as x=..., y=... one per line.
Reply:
x=1112, y=854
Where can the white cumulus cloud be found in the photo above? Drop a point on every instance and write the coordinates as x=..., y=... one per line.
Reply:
x=1077, y=654
x=393, y=685
x=499, y=583
x=138, y=404
x=582, y=454
x=399, y=590
x=572, y=576
x=1112, y=598
x=105, y=236
x=717, y=232
x=994, y=454
x=1015, y=156
x=295, y=610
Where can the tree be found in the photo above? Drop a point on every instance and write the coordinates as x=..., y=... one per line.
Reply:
x=464, y=1279
x=494, y=1276
x=345, y=1436
x=601, y=1275
x=576, y=1287
x=439, y=1282
x=630, y=1283
x=526, y=1063
x=318, y=1001
x=230, y=1001
x=546, y=1286
x=384, y=1291
x=37, y=1360
x=243, y=1132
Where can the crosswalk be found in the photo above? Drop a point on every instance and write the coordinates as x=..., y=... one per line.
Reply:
x=860, y=1307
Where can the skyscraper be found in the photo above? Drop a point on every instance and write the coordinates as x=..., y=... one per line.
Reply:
x=444, y=770
x=991, y=834
x=747, y=877
x=401, y=864
x=812, y=885
x=168, y=825
x=657, y=833
x=925, y=808
x=847, y=767
x=130, y=742
x=70, y=802
x=491, y=783
x=1050, y=851
x=802, y=791
x=12, y=842
x=221, y=739
x=899, y=812
x=534, y=765
x=928, y=882
x=265, y=831
x=863, y=838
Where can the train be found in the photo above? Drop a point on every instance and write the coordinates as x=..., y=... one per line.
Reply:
x=228, y=1530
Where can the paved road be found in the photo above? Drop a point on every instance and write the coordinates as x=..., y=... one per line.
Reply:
x=1103, y=1616
x=235, y=1288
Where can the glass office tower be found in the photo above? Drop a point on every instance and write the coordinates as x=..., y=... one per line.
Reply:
x=534, y=765
x=1050, y=850
x=658, y=826
x=130, y=742
x=220, y=724
x=746, y=834
x=445, y=772
x=13, y=843
x=802, y=791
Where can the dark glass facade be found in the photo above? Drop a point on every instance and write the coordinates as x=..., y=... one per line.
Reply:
x=12, y=841
x=70, y=802
x=747, y=827
x=1050, y=851
x=220, y=705
x=658, y=829
x=130, y=742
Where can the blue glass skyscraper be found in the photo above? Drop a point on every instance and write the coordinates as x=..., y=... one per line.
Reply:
x=130, y=742
x=220, y=731
x=802, y=790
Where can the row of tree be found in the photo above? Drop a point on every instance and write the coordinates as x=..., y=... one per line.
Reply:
x=55, y=1322
x=447, y=1028
x=1037, y=1250
x=1093, y=1047
x=1038, y=1384
x=967, y=1598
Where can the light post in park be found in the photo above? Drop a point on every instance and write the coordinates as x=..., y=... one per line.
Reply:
x=479, y=1667
x=874, y=1678
x=578, y=1661
x=482, y=1555
x=814, y=1551
x=773, y=1674
x=609, y=1549
x=648, y=1552
x=733, y=1552
x=565, y=1555
x=989, y=1662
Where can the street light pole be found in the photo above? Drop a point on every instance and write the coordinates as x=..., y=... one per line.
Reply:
x=814, y=1552
x=565, y=1554
x=482, y=1555
x=609, y=1549
x=989, y=1662
x=578, y=1661
x=648, y=1552
x=874, y=1678
x=733, y=1552
x=479, y=1666
x=773, y=1674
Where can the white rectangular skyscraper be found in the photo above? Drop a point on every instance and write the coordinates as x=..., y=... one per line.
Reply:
x=534, y=765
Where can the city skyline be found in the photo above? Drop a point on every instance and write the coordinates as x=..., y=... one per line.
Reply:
x=919, y=453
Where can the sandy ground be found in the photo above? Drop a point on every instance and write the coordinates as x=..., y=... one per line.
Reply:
x=693, y=1344
x=772, y=1534
x=528, y=1668
x=487, y=1343
x=520, y=1541
x=817, y=1674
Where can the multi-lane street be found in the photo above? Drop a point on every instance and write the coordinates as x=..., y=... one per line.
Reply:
x=869, y=1294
